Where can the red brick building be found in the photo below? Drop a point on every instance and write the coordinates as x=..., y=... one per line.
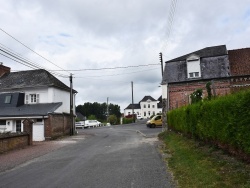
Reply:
x=228, y=70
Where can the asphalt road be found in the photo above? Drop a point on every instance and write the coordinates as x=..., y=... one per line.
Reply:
x=105, y=157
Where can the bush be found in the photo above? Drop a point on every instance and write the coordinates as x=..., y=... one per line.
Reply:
x=224, y=121
x=127, y=120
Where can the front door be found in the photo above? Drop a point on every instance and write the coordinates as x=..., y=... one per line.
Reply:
x=18, y=125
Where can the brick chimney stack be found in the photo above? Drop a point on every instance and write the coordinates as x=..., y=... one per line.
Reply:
x=3, y=69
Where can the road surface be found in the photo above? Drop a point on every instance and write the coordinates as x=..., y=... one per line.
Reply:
x=105, y=157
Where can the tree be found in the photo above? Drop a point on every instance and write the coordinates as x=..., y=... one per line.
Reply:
x=99, y=110
x=92, y=117
x=112, y=119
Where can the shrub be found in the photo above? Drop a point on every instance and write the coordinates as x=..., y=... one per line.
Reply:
x=225, y=120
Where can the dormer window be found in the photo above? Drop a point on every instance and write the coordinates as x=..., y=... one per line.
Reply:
x=7, y=99
x=193, y=66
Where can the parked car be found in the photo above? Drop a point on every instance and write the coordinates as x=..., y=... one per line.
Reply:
x=79, y=124
x=154, y=121
x=139, y=117
x=92, y=123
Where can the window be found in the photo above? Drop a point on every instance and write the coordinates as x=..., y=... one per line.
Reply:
x=32, y=98
x=39, y=120
x=149, y=113
x=2, y=122
x=145, y=114
x=193, y=66
x=144, y=105
x=7, y=99
x=18, y=125
x=148, y=105
x=153, y=106
x=194, y=74
x=153, y=112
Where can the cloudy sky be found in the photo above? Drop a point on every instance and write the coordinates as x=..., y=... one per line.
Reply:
x=91, y=38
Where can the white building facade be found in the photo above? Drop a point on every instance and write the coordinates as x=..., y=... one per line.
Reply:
x=35, y=95
x=147, y=107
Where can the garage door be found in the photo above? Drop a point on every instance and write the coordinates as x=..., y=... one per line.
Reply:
x=38, y=132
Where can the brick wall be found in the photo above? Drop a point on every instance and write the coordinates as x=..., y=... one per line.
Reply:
x=239, y=61
x=179, y=94
x=57, y=125
x=11, y=142
x=4, y=69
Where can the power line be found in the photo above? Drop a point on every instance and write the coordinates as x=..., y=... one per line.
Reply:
x=116, y=74
x=8, y=54
x=170, y=21
x=31, y=49
x=110, y=68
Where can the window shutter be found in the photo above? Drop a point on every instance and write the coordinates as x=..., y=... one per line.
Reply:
x=37, y=98
x=26, y=99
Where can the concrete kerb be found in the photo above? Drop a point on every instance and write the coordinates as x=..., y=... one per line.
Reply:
x=142, y=134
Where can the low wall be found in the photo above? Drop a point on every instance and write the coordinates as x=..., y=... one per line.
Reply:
x=13, y=141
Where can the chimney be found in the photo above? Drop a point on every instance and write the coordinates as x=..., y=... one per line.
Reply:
x=3, y=69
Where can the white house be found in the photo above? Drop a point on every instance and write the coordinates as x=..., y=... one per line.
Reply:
x=145, y=108
x=37, y=95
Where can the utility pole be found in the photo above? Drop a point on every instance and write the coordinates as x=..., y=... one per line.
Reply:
x=72, y=124
x=132, y=102
x=164, y=99
x=161, y=63
x=107, y=109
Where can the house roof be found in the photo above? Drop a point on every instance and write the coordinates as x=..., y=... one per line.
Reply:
x=133, y=106
x=42, y=109
x=15, y=99
x=80, y=116
x=159, y=105
x=205, y=52
x=30, y=78
x=147, y=98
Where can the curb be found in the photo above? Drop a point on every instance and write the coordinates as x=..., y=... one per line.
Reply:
x=142, y=134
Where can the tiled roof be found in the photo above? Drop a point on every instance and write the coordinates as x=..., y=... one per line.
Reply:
x=136, y=106
x=147, y=98
x=16, y=99
x=30, y=78
x=205, y=52
x=80, y=116
x=41, y=109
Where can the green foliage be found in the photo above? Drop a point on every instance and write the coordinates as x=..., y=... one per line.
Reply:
x=112, y=119
x=99, y=110
x=196, y=96
x=209, y=93
x=225, y=120
x=127, y=120
x=77, y=119
x=199, y=165
x=92, y=117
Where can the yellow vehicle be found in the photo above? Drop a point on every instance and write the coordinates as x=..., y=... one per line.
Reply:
x=155, y=121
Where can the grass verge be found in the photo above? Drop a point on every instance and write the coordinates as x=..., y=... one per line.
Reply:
x=194, y=164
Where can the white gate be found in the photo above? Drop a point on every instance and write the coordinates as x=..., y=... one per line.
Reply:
x=38, y=132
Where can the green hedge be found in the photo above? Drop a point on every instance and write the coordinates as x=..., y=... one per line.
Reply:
x=225, y=120
x=127, y=120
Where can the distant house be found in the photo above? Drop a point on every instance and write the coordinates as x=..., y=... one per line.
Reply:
x=80, y=117
x=37, y=95
x=145, y=108
x=227, y=70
